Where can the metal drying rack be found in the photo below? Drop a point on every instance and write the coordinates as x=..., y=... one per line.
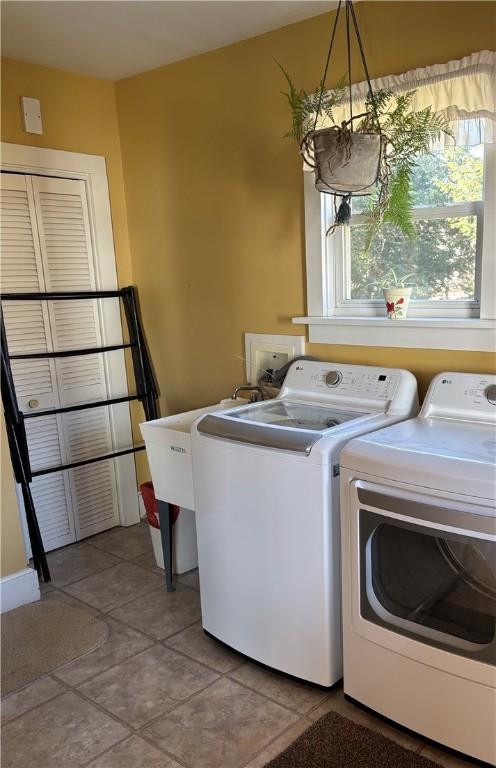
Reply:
x=146, y=394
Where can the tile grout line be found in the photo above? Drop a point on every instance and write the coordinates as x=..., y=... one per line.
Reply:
x=132, y=731
x=157, y=644
x=89, y=575
x=106, y=669
x=106, y=751
x=114, y=565
x=154, y=720
x=35, y=706
x=112, y=607
x=178, y=702
x=131, y=560
x=269, y=698
x=118, y=620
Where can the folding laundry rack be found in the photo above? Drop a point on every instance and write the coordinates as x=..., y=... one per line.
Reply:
x=146, y=394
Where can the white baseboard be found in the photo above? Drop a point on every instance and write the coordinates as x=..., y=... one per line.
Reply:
x=18, y=589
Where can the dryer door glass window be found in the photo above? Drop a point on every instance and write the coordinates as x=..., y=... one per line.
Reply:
x=438, y=587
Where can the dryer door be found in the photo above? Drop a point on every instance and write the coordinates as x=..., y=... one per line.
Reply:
x=436, y=585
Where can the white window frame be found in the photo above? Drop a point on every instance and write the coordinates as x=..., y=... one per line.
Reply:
x=332, y=318
x=20, y=158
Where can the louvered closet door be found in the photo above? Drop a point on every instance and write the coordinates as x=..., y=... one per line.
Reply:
x=28, y=330
x=67, y=261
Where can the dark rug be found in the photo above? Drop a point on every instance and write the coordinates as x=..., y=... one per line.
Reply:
x=336, y=742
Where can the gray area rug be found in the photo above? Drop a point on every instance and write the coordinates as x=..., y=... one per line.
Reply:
x=41, y=637
x=336, y=742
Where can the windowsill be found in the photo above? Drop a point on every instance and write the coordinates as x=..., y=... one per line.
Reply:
x=470, y=334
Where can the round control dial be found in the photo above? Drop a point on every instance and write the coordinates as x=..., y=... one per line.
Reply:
x=490, y=393
x=333, y=378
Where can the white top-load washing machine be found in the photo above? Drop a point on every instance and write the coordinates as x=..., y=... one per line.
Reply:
x=266, y=481
x=419, y=567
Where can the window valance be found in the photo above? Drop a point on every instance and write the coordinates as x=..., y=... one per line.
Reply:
x=464, y=91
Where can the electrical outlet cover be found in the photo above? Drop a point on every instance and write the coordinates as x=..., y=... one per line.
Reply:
x=268, y=351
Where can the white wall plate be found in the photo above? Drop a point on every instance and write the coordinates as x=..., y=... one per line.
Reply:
x=268, y=351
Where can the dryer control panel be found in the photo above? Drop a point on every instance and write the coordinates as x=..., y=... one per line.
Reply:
x=462, y=396
x=358, y=385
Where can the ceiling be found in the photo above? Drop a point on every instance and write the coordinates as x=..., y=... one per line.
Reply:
x=117, y=38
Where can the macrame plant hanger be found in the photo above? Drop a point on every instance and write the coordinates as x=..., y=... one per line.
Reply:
x=345, y=163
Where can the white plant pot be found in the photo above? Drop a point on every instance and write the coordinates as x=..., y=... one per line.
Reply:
x=343, y=169
x=397, y=301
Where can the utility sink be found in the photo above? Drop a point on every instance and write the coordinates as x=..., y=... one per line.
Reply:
x=168, y=447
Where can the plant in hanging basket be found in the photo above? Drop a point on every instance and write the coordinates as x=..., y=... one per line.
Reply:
x=344, y=161
x=374, y=153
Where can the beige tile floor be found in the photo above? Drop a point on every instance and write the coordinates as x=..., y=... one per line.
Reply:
x=158, y=693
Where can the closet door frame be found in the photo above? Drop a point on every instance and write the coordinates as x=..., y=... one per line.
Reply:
x=91, y=169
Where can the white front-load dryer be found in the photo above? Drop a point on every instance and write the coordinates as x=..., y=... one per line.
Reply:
x=266, y=481
x=418, y=509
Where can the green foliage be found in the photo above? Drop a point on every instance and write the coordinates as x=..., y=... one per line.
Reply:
x=304, y=106
x=465, y=178
x=464, y=181
x=391, y=279
x=443, y=256
x=399, y=208
x=407, y=135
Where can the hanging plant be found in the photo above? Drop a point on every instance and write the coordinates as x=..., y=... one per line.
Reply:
x=373, y=153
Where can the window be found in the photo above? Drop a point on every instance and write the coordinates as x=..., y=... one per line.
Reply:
x=444, y=261
x=452, y=261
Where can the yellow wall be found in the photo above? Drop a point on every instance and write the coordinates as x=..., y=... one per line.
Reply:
x=214, y=193
x=79, y=115
x=12, y=557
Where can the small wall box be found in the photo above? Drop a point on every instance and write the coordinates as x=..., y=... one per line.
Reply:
x=31, y=115
x=265, y=352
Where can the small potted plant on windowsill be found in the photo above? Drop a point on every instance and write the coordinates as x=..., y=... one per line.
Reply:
x=397, y=293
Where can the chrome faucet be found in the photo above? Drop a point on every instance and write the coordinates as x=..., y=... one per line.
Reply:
x=256, y=392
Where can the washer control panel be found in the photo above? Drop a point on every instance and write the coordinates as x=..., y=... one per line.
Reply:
x=350, y=382
x=461, y=395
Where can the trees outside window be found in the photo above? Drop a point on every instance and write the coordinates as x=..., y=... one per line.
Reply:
x=445, y=256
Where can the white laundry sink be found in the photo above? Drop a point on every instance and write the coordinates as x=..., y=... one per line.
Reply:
x=168, y=447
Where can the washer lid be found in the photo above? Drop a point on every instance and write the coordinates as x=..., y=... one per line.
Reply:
x=442, y=454
x=279, y=423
